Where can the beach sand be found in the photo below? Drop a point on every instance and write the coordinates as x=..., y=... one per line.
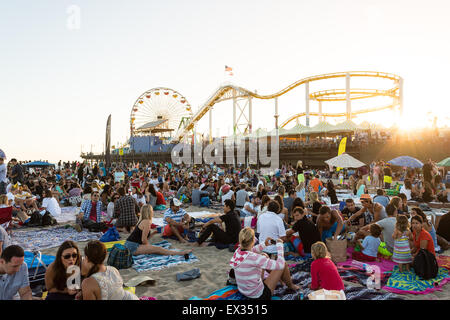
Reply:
x=214, y=267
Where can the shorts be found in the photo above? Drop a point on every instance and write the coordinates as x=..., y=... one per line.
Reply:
x=358, y=255
x=132, y=246
x=168, y=231
x=266, y=294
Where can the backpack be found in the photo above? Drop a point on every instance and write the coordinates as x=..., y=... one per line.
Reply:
x=425, y=265
x=35, y=220
x=205, y=202
x=48, y=220
x=120, y=257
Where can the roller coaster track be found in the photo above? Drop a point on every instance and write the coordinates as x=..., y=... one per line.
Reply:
x=225, y=92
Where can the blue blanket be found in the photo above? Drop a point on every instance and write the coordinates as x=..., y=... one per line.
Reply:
x=146, y=262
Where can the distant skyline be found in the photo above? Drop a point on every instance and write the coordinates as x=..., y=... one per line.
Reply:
x=67, y=65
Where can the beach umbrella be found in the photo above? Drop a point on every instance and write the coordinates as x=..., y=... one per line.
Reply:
x=406, y=161
x=2, y=154
x=444, y=163
x=38, y=164
x=345, y=160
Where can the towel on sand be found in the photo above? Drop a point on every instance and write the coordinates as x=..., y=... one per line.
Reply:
x=146, y=262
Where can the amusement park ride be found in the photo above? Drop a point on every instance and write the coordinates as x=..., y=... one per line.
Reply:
x=166, y=113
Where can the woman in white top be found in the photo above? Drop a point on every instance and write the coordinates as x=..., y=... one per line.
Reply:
x=407, y=189
x=50, y=203
x=101, y=282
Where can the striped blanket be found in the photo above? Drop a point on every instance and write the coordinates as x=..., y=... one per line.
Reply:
x=409, y=282
x=50, y=238
x=147, y=262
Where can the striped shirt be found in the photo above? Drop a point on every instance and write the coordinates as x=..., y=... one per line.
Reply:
x=248, y=266
x=177, y=217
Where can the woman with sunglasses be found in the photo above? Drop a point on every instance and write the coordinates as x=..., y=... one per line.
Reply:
x=56, y=275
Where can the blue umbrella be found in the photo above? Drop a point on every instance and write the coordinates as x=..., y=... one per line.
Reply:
x=2, y=154
x=406, y=161
x=38, y=164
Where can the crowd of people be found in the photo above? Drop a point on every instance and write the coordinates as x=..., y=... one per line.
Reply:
x=266, y=217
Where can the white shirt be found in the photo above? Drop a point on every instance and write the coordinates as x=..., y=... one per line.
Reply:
x=227, y=196
x=110, y=210
x=52, y=206
x=155, y=183
x=406, y=192
x=140, y=200
x=253, y=207
x=3, y=173
x=11, y=197
x=270, y=225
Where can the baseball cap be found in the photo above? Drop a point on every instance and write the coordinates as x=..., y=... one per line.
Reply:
x=176, y=202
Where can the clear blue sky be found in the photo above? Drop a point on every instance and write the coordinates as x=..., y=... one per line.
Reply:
x=58, y=86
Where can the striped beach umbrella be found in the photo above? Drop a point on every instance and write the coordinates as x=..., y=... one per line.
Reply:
x=444, y=163
x=406, y=161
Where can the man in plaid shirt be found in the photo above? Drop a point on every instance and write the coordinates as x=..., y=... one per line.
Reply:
x=125, y=211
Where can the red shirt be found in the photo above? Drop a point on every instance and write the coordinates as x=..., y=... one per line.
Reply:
x=160, y=199
x=93, y=214
x=424, y=235
x=324, y=275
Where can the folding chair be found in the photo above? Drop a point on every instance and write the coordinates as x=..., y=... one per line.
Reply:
x=6, y=217
x=36, y=275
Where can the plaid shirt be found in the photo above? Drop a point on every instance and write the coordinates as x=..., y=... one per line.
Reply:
x=125, y=210
x=86, y=207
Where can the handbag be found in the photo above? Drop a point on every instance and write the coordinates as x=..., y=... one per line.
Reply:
x=120, y=257
x=337, y=249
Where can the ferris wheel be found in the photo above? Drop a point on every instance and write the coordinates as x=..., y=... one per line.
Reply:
x=159, y=111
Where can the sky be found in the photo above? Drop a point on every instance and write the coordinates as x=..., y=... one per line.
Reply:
x=65, y=66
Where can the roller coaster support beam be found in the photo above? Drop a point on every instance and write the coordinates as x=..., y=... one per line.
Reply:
x=400, y=95
x=276, y=113
x=320, y=111
x=234, y=113
x=210, y=125
x=307, y=102
x=250, y=115
x=347, y=96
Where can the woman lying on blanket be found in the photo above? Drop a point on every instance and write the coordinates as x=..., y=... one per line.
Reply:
x=56, y=275
x=137, y=242
x=101, y=282
x=249, y=266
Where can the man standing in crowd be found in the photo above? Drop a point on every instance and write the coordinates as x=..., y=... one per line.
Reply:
x=16, y=172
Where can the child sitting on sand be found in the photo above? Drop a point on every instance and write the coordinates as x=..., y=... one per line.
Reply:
x=402, y=238
x=324, y=273
x=369, y=247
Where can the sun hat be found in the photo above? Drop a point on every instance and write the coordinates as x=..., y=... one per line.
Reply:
x=140, y=280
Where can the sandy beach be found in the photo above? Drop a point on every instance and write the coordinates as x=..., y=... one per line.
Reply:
x=214, y=267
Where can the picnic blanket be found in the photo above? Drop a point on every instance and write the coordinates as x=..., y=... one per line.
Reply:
x=409, y=282
x=146, y=262
x=443, y=261
x=49, y=238
x=300, y=274
x=68, y=214
x=384, y=265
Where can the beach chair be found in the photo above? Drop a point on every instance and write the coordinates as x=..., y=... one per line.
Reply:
x=36, y=275
x=6, y=217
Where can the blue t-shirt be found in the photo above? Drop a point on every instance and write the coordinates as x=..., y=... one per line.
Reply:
x=383, y=200
x=371, y=245
x=10, y=284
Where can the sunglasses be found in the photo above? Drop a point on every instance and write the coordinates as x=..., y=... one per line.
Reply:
x=73, y=255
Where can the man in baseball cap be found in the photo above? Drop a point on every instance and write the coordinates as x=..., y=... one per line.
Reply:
x=176, y=221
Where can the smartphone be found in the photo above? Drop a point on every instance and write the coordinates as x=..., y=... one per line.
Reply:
x=272, y=241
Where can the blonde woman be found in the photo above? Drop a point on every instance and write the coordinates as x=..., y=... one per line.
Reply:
x=249, y=266
x=137, y=242
x=324, y=274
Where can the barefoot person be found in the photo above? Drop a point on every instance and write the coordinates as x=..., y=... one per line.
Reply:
x=249, y=265
x=176, y=220
x=137, y=242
